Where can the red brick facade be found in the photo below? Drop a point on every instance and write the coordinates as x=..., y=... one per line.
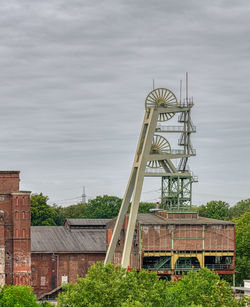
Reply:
x=50, y=270
x=14, y=230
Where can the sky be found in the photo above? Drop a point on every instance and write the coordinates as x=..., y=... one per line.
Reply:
x=74, y=75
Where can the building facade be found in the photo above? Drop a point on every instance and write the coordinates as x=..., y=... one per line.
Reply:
x=15, y=257
x=47, y=256
x=173, y=243
x=60, y=254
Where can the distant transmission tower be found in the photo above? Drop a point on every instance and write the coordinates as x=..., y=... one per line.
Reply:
x=153, y=158
x=84, y=197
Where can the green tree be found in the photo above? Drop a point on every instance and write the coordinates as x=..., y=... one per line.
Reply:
x=215, y=209
x=202, y=288
x=242, y=240
x=240, y=208
x=17, y=296
x=145, y=207
x=103, y=207
x=41, y=213
x=74, y=211
x=114, y=286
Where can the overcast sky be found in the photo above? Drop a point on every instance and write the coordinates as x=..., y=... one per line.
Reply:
x=74, y=77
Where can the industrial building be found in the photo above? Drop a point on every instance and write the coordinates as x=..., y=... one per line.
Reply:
x=173, y=244
x=46, y=256
x=171, y=240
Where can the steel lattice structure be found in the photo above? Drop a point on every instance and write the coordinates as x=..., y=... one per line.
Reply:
x=154, y=158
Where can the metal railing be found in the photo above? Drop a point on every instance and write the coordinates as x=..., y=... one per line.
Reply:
x=160, y=128
x=218, y=266
x=192, y=152
x=168, y=128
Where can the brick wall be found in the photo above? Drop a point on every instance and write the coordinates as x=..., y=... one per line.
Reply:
x=49, y=270
x=15, y=229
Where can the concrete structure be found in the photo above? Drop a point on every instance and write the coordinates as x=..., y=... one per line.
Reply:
x=171, y=243
x=15, y=259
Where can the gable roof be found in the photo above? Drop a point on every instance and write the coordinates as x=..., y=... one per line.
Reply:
x=59, y=239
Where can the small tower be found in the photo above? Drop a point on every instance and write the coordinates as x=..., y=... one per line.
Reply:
x=154, y=157
x=15, y=264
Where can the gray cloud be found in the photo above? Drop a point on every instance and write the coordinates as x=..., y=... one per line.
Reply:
x=74, y=76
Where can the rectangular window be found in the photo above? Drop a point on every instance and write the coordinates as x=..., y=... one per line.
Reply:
x=23, y=232
x=64, y=279
x=17, y=234
x=43, y=281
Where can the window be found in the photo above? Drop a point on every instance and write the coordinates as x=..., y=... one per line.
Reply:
x=23, y=232
x=23, y=214
x=43, y=281
x=16, y=215
x=17, y=234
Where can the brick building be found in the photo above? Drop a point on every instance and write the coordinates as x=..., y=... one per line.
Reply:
x=173, y=243
x=47, y=256
x=15, y=258
x=61, y=253
x=43, y=256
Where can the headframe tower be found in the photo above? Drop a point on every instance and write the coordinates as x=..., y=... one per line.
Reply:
x=154, y=157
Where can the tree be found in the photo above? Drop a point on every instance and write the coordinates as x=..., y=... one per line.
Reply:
x=202, y=288
x=74, y=211
x=114, y=286
x=103, y=207
x=145, y=207
x=215, y=209
x=41, y=213
x=240, y=208
x=242, y=239
x=17, y=296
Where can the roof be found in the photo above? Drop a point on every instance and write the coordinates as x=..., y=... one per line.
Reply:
x=52, y=239
x=85, y=222
x=149, y=219
x=153, y=219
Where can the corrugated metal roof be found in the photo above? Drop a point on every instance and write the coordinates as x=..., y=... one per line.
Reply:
x=51, y=239
x=91, y=222
x=149, y=218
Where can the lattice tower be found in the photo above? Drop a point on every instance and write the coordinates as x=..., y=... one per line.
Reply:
x=155, y=158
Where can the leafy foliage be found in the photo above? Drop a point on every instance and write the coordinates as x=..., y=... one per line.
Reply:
x=145, y=207
x=113, y=286
x=242, y=239
x=76, y=211
x=17, y=296
x=103, y=207
x=41, y=212
x=215, y=209
x=240, y=208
